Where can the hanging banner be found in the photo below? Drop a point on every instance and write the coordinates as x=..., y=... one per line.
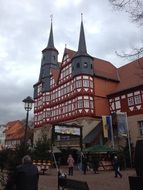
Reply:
x=122, y=124
x=105, y=127
x=110, y=127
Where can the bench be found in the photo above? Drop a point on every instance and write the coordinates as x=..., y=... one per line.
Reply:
x=42, y=165
x=71, y=184
x=42, y=169
x=105, y=166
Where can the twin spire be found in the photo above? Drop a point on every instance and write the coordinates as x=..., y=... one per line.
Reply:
x=82, y=43
x=51, y=39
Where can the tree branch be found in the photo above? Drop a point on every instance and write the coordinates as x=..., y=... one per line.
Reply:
x=135, y=53
x=133, y=7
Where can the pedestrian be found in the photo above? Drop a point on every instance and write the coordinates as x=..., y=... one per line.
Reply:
x=70, y=162
x=25, y=177
x=95, y=164
x=116, y=165
x=84, y=164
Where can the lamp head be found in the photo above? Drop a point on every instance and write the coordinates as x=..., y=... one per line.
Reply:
x=28, y=103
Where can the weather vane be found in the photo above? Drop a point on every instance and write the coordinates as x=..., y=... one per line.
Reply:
x=51, y=16
x=81, y=16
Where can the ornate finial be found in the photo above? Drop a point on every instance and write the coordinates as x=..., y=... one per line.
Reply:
x=51, y=16
x=81, y=16
x=65, y=46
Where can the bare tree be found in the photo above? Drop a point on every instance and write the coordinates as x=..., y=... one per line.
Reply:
x=135, y=10
x=133, y=7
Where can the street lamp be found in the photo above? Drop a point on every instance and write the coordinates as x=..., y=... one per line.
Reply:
x=28, y=106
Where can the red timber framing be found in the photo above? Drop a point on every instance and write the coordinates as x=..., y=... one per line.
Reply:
x=129, y=101
x=67, y=99
x=81, y=89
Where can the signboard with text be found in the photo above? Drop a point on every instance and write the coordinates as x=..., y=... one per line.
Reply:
x=67, y=130
x=67, y=135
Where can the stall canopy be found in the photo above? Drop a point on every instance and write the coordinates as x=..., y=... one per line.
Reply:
x=56, y=150
x=98, y=149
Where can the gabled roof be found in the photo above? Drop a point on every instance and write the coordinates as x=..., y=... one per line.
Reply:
x=11, y=123
x=70, y=52
x=127, y=76
x=55, y=73
x=131, y=75
x=15, y=130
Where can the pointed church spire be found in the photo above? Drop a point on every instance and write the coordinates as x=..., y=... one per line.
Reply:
x=82, y=61
x=82, y=43
x=51, y=39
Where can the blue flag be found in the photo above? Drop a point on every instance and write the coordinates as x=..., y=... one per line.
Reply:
x=107, y=126
x=122, y=124
x=110, y=129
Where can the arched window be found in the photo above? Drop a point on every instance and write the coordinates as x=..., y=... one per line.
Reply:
x=78, y=65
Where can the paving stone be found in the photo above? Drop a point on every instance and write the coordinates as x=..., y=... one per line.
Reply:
x=105, y=180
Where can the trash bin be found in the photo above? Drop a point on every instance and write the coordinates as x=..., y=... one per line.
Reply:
x=136, y=182
x=138, y=159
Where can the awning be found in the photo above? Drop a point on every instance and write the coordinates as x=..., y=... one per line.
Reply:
x=98, y=149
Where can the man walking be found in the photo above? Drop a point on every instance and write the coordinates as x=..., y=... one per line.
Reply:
x=117, y=167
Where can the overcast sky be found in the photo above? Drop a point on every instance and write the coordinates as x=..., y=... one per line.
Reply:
x=24, y=32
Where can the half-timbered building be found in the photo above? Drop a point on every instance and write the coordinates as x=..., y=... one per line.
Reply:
x=128, y=97
x=81, y=88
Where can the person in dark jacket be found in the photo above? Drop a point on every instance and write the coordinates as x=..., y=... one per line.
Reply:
x=27, y=175
x=95, y=164
x=116, y=165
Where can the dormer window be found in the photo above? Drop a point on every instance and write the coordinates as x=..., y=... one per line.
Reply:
x=85, y=65
x=54, y=58
x=78, y=65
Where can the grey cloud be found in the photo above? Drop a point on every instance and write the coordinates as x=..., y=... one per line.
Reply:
x=24, y=33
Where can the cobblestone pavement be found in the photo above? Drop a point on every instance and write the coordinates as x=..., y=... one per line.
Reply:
x=105, y=180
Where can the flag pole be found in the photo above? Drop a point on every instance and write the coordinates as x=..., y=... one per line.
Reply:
x=129, y=143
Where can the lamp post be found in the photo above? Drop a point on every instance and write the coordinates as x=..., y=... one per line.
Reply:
x=28, y=106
